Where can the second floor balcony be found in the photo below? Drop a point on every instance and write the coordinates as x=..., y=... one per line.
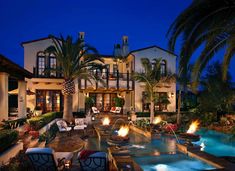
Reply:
x=45, y=73
x=109, y=81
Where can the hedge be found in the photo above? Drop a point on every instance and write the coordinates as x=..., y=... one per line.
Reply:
x=80, y=114
x=12, y=124
x=147, y=114
x=8, y=137
x=40, y=121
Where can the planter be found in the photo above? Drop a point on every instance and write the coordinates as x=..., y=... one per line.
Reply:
x=10, y=153
x=140, y=131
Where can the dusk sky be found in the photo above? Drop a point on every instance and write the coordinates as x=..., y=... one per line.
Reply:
x=103, y=21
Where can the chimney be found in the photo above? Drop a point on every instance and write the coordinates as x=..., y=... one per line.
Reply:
x=81, y=35
x=125, y=47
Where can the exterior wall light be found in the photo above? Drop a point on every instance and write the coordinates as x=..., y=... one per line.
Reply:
x=172, y=95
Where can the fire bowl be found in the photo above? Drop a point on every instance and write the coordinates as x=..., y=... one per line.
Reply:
x=189, y=137
x=118, y=140
x=104, y=127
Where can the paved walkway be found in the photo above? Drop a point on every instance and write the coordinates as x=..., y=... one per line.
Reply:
x=67, y=143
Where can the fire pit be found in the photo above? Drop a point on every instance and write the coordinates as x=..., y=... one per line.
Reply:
x=155, y=126
x=105, y=124
x=121, y=138
x=190, y=135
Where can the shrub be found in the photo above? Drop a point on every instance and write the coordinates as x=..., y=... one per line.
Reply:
x=38, y=122
x=51, y=133
x=142, y=114
x=8, y=137
x=12, y=124
x=119, y=102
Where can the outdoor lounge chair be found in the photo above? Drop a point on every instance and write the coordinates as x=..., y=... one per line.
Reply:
x=63, y=127
x=44, y=159
x=79, y=124
x=93, y=160
x=95, y=110
x=116, y=109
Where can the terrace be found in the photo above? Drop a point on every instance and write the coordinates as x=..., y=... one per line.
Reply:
x=127, y=144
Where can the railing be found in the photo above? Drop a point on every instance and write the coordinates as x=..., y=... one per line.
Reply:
x=109, y=81
x=46, y=74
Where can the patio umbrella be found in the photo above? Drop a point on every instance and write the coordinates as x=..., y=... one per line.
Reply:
x=14, y=92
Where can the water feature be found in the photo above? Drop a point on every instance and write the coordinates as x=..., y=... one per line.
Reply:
x=119, y=119
x=172, y=131
x=155, y=154
x=216, y=143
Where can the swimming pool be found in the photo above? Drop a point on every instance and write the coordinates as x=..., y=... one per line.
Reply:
x=217, y=143
x=157, y=154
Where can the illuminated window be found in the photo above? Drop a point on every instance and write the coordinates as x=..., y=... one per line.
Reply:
x=41, y=63
x=53, y=66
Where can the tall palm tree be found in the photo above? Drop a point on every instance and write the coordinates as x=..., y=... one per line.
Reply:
x=76, y=59
x=207, y=23
x=151, y=77
x=183, y=79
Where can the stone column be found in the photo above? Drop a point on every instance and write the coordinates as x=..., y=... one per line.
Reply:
x=21, y=99
x=3, y=96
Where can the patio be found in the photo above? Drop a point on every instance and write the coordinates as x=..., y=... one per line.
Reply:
x=92, y=139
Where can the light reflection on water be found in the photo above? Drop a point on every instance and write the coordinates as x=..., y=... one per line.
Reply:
x=150, y=153
x=216, y=143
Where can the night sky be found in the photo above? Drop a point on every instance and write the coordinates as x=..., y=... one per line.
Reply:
x=104, y=22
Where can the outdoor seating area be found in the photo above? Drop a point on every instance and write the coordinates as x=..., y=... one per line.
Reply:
x=72, y=148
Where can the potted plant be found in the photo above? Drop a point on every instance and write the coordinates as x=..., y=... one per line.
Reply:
x=89, y=102
x=119, y=102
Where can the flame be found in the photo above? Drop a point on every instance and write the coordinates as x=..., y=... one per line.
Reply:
x=157, y=120
x=193, y=127
x=106, y=121
x=123, y=131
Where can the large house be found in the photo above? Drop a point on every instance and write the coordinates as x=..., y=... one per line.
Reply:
x=117, y=79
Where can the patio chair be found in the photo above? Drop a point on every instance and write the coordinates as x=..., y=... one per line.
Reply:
x=79, y=124
x=93, y=160
x=43, y=159
x=116, y=109
x=95, y=110
x=63, y=127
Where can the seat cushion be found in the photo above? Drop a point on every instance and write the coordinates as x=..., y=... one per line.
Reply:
x=79, y=127
x=39, y=150
x=79, y=121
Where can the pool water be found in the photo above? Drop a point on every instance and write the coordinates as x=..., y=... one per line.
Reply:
x=157, y=154
x=217, y=143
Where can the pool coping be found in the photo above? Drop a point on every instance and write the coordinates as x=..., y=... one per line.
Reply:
x=195, y=152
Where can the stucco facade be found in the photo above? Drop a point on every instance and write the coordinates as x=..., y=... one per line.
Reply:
x=151, y=53
x=117, y=79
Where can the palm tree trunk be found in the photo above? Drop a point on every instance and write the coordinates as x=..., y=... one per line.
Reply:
x=178, y=111
x=68, y=116
x=151, y=111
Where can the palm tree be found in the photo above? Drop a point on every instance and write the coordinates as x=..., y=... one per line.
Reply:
x=184, y=83
x=206, y=23
x=75, y=59
x=151, y=76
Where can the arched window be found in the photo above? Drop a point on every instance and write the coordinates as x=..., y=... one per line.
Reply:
x=52, y=65
x=41, y=64
x=163, y=68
